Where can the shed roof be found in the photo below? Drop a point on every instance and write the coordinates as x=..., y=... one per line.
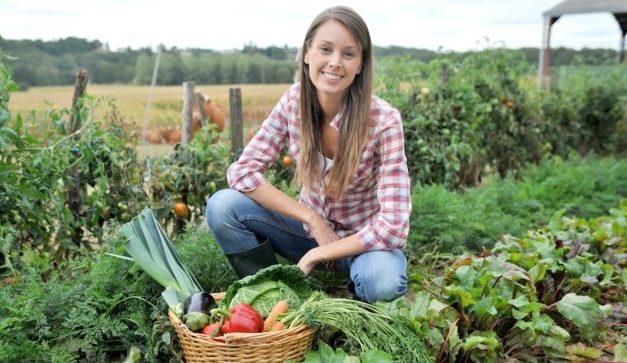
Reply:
x=587, y=6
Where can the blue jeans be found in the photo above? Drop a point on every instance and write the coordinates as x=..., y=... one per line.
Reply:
x=239, y=223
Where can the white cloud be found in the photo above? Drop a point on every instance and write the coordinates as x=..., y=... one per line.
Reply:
x=450, y=24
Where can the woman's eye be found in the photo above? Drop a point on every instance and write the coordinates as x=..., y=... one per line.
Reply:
x=349, y=55
x=325, y=49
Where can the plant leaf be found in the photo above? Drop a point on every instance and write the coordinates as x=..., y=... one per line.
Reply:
x=583, y=311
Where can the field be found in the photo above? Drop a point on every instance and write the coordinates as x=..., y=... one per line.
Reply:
x=257, y=100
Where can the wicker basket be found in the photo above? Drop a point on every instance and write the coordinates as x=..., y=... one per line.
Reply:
x=278, y=346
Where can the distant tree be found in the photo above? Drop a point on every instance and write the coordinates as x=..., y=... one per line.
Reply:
x=171, y=68
x=56, y=62
x=143, y=68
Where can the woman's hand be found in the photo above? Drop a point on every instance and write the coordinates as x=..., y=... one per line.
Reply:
x=309, y=261
x=323, y=234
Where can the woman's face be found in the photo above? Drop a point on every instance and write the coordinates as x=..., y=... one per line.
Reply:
x=334, y=59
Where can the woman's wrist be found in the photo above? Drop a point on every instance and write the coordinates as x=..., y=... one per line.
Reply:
x=310, y=217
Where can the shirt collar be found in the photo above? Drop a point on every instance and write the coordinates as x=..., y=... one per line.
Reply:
x=336, y=123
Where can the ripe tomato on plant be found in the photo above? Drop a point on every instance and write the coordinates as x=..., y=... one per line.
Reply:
x=181, y=210
x=286, y=161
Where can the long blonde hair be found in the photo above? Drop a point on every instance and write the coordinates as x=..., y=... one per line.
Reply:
x=355, y=111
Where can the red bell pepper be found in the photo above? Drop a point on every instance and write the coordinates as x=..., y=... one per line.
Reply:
x=242, y=318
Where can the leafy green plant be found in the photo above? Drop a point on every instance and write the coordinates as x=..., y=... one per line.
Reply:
x=528, y=297
x=326, y=354
x=190, y=174
x=95, y=307
x=468, y=117
x=457, y=222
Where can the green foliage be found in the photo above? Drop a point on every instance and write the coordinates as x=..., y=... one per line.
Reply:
x=95, y=307
x=41, y=63
x=528, y=297
x=468, y=117
x=190, y=174
x=36, y=172
x=326, y=354
x=457, y=222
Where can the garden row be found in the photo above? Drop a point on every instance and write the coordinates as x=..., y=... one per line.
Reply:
x=551, y=293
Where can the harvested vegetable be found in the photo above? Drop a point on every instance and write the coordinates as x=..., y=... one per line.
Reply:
x=267, y=287
x=150, y=247
x=197, y=308
x=214, y=329
x=277, y=326
x=280, y=308
x=196, y=321
x=367, y=327
x=199, y=302
x=242, y=318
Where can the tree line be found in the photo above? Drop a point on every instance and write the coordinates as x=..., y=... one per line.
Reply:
x=44, y=63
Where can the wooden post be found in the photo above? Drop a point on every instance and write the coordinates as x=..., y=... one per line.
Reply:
x=188, y=99
x=80, y=84
x=444, y=73
x=237, y=128
x=199, y=100
x=153, y=82
x=73, y=176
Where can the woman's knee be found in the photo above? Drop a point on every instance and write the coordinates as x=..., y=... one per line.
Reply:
x=380, y=276
x=222, y=206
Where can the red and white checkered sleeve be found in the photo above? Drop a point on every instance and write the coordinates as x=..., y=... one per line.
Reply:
x=390, y=227
x=246, y=174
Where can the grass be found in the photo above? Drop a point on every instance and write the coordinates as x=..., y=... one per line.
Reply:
x=131, y=100
x=458, y=222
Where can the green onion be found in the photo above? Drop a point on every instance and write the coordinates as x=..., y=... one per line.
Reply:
x=367, y=327
x=151, y=249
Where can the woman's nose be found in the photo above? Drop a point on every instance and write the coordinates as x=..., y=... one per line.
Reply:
x=336, y=58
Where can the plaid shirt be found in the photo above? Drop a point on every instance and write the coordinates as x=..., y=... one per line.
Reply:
x=377, y=203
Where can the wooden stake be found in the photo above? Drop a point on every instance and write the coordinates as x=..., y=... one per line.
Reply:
x=75, y=188
x=188, y=100
x=237, y=128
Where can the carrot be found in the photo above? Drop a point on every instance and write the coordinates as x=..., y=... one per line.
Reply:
x=278, y=326
x=279, y=308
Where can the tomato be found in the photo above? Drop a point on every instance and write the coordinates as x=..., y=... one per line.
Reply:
x=287, y=161
x=181, y=210
x=212, y=329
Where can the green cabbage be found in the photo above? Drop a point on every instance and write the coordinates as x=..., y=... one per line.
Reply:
x=267, y=287
x=265, y=295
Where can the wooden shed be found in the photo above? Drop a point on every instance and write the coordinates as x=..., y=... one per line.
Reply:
x=616, y=7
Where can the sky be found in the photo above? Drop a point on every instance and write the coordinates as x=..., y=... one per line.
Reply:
x=456, y=25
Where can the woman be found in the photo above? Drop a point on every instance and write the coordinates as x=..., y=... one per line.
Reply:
x=354, y=206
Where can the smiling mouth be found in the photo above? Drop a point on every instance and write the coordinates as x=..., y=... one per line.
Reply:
x=332, y=76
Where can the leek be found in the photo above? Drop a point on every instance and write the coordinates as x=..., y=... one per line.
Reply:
x=151, y=249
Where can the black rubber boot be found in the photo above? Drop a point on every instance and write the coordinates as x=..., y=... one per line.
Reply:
x=250, y=261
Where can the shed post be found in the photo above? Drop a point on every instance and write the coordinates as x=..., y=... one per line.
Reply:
x=621, y=54
x=544, y=63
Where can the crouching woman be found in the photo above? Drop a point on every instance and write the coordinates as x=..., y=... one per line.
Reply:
x=354, y=204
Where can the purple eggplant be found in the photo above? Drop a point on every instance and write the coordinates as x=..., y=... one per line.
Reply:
x=199, y=302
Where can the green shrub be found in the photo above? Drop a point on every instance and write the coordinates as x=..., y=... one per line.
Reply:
x=460, y=221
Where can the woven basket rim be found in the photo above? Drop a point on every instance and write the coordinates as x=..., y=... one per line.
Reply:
x=270, y=334
x=218, y=296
